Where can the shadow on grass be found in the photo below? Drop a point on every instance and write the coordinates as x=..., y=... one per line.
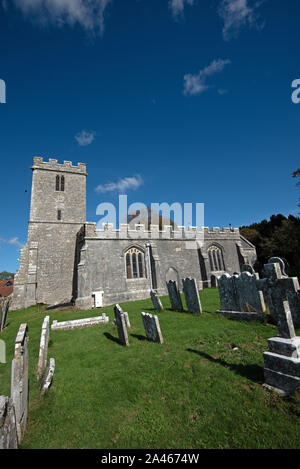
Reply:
x=139, y=337
x=252, y=372
x=112, y=338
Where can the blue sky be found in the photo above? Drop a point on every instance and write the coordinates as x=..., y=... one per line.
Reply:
x=181, y=101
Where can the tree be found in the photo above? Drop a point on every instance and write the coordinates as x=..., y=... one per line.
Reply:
x=296, y=174
x=6, y=275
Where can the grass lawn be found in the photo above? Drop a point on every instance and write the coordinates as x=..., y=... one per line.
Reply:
x=193, y=391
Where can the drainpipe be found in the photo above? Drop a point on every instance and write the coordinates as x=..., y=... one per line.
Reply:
x=148, y=246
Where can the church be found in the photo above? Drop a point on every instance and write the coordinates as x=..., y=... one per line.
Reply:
x=68, y=260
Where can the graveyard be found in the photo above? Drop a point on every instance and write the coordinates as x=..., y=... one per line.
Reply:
x=199, y=387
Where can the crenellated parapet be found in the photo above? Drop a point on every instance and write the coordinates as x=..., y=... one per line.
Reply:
x=54, y=165
x=139, y=231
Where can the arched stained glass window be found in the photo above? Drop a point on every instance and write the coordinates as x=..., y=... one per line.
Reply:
x=135, y=263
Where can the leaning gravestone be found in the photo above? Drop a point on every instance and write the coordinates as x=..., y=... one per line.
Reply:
x=48, y=377
x=8, y=424
x=19, y=379
x=152, y=328
x=4, y=313
x=43, y=353
x=174, y=295
x=191, y=295
x=121, y=325
x=156, y=301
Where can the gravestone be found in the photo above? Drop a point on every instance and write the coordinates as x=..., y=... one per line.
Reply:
x=228, y=292
x=152, y=328
x=191, y=295
x=48, y=377
x=43, y=353
x=282, y=361
x=19, y=379
x=240, y=293
x=282, y=264
x=250, y=298
x=127, y=321
x=156, y=301
x=250, y=269
x=278, y=289
x=3, y=314
x=174, y=295
x=8, y=424
x=79, y=323
x=121, y=325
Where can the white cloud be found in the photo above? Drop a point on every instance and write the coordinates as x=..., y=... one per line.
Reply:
x=121, y=186
x=196, y=84
x=177, y=6
x=85, y=138
x=237, y=14
x=14, y=241
x=89, y=14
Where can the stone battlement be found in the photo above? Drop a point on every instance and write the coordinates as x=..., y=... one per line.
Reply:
x=139, y=231
x=53, y=165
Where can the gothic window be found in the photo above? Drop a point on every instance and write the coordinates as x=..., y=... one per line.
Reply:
x=59, y=214
x=60, y=183
x=135, y=263
x=216, y=260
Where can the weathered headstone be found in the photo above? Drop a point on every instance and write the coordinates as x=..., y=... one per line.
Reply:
x=127, y=321
x=3, y=314
x=79, y=323
x=250, y=269
x=8, y=424
x=156, y=301
x=43, y=352
x=282, y=361
x=152, y=328
x=228, y=292
x=250, y=298
x=282, y=264
x=121, y=325
x=240, y=293
x=277, y=290
x=48, y=376
x=19, y=379
x=191, y=295
x=174, y=295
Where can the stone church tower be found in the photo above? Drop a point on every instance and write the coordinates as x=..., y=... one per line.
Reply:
x=57, y=213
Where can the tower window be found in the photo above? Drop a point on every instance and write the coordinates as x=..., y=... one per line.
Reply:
x=59, y=214
x=60, y=183
x=135, y=263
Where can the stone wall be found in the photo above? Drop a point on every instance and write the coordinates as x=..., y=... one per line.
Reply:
x=173, y=257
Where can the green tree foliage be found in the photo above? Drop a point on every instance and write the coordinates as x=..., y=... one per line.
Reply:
x=280, y=236
x=6, y=275
x=296, y=174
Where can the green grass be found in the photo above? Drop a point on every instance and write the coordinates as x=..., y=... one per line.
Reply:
x=193, y=391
